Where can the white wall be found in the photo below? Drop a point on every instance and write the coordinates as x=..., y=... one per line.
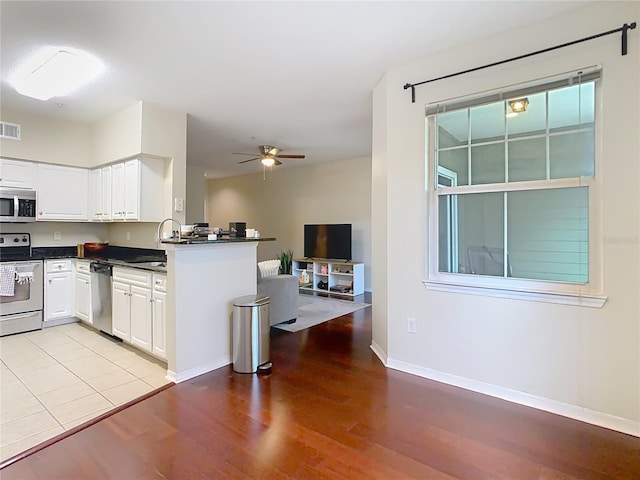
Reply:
x=47, y=139
x=335, y=192
x=583, y=362
x=42, y=233
x=117, y=136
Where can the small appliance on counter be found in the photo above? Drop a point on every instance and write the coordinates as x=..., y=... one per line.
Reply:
x=201, y=229
x=237, y=229
x=195, y=230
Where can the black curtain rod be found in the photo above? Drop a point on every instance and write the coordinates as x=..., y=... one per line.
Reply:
x=624, y=28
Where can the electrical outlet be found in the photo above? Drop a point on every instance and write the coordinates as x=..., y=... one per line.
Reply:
x=178, y=204
x=128, y=235
x=57, y=236
x=412, y=326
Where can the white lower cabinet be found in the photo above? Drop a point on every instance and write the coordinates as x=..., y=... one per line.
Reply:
x=83, y=292
x=138, y=311
x=121, y=310
x=59, y=301
x=83, y=297
x=159, y=327
x=141, y=318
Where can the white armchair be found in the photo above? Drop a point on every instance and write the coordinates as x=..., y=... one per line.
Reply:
x=281, y=289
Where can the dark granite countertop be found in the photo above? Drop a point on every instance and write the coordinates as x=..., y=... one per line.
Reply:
x=141, y=258
x=204, y=240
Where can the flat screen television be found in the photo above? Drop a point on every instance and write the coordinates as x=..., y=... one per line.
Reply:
x=332, y=241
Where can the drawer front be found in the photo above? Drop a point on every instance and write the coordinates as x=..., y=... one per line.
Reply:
x=159, y=282
x=132, y=276
x=58, y=265
x=82, y=266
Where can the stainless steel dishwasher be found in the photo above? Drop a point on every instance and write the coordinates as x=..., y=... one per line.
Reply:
x=101, y=278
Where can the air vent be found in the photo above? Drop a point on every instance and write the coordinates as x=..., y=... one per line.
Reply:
x=9, y=130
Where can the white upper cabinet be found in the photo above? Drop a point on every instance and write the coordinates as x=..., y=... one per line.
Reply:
x=137, y=188
x=17, y=174
x=117, y=191
x=100, y=194
x=132, y=190
x=63, y=193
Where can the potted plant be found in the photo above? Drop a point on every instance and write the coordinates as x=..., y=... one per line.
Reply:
x=285, y=257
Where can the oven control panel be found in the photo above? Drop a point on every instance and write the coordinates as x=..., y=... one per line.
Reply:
x=15, y=240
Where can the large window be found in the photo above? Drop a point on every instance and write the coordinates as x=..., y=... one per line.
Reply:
x=513, y=185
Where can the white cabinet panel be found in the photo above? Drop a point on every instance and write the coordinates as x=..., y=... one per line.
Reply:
x=105, y=192
x=59, y=299
x=17, y=174
x=121, y=317
x=63, y=193
x=83, y=297
x=132, y=190
x=141, y=317
x=159, y=323
x=137, y=188
x=100, y=194
x=117, y=191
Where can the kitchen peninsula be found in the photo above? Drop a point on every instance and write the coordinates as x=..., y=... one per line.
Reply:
x=203, y=279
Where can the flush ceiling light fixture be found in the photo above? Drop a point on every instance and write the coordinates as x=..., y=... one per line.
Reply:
x=55, y=72
x=519, y=105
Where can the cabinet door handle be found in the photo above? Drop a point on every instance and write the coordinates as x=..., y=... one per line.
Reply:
x=50, y=281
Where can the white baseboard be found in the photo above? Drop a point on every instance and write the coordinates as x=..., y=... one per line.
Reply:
x=379, y=352
x=565, y=409
x=194, y=372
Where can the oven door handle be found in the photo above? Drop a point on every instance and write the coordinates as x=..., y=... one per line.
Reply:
x=34, y=265
x=13, y=316
x=16, y=206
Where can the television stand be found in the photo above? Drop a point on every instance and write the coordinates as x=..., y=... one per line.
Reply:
x=334, y=276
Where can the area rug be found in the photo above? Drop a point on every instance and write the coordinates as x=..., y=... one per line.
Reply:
x=315, y=310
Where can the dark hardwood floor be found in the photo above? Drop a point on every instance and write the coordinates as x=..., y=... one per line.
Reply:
x=330, y=410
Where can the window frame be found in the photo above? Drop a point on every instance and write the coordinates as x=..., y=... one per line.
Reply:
x=585, y=294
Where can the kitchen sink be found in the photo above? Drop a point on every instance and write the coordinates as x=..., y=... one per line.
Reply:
x=151, y=264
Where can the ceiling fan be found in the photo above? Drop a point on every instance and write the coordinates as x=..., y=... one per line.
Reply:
x=268, y=156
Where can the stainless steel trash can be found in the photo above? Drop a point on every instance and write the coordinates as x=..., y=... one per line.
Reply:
x=251, y=334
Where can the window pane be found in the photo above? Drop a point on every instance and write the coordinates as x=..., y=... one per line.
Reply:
x=453, y=128
x=548, y=234
x=572, y=155
x=528, y=160
x=456, y=161
x=471, y=236
x=487, y=164
x=533, y=121
x=571, y=107
x=487, y=122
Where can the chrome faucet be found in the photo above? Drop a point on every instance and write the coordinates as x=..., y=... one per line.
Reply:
x=174, y=233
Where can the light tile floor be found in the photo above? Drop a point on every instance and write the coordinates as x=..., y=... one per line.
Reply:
x=55, y=379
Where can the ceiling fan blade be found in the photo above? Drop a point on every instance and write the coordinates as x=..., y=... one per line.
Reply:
x=237, y=153
x=277, y=162
x=290, y=156
x=250, y=160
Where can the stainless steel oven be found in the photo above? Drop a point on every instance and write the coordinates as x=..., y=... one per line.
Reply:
x=17, y=205
x=21, y=285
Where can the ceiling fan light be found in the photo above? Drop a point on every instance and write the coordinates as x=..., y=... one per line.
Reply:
x=268, y=162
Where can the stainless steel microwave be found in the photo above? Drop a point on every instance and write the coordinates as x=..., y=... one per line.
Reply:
x=17, y=205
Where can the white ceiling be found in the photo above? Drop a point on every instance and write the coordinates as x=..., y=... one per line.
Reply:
x=297, y=75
